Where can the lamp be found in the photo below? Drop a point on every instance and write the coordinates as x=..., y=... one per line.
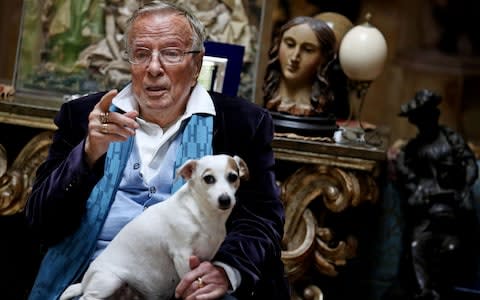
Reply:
x=362, y=56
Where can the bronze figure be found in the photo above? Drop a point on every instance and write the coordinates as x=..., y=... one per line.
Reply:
x=436, y=170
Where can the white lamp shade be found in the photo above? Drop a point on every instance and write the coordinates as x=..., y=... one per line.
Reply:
x=363, y=52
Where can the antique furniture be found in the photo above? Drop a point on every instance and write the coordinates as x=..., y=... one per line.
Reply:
x=17, y=179
x=324, y=180
x=26, y=126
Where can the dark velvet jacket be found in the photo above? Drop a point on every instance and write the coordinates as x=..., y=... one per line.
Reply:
x=254, y=229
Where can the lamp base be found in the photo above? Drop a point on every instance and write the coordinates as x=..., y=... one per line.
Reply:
x=371, y=136
x=319, y=126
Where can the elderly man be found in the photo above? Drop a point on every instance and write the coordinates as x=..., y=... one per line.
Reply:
x=116, y=153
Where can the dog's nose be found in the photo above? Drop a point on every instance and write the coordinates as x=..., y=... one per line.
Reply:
x=224, y=201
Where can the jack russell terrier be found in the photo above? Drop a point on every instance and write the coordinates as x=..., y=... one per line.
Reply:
x=151, y=253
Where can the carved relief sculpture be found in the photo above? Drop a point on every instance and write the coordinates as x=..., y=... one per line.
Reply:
x=327, y=185
x=77, y=47
x=16, y=181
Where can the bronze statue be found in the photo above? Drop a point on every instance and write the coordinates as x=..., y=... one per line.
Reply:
x=295, y=81
x=436, y=170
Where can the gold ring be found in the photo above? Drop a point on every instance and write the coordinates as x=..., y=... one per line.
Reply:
x=104, y=117
x=104, y=128
x=200, y=282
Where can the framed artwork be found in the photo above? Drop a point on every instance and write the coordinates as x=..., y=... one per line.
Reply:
x=69, y=47
x=232, y=71
x=212, y=74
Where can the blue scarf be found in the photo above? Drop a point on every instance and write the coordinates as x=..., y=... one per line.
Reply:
x=65, y=262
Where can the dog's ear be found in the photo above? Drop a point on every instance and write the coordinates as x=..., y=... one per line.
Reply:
x=242, y=166
x=187, y=169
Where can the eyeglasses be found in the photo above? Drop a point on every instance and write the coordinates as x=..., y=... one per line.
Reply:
x=169, y=56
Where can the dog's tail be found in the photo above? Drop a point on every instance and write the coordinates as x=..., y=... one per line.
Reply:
x=72, y=291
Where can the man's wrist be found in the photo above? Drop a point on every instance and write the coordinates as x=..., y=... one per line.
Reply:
x=233, y=275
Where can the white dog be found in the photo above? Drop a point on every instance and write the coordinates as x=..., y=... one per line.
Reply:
x=151, y=253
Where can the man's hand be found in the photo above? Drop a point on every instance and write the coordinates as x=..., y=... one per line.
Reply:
x=205, y=281
x=105, y=127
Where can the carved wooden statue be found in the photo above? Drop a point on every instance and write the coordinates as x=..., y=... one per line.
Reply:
x=295, y=81
x=436, y=170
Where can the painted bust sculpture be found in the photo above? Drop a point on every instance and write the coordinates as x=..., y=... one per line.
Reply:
x=295, y=81
x=436, y=171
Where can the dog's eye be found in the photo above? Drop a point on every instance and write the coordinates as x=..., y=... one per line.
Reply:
x=209, y=179
x=232, y=177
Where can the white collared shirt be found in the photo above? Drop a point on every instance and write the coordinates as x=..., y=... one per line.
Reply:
x=152, y=140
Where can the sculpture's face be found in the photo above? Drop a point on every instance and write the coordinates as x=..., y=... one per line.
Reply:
x=300, y=54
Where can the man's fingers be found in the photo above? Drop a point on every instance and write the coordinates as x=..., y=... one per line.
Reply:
x=131, y=114
x=102, y=113
x=106, y=101
x=185, y=285
x=214, y=294
x=193, y=262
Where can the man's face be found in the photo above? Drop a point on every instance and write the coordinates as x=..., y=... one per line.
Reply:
x=162, y=89
x=300, y=54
